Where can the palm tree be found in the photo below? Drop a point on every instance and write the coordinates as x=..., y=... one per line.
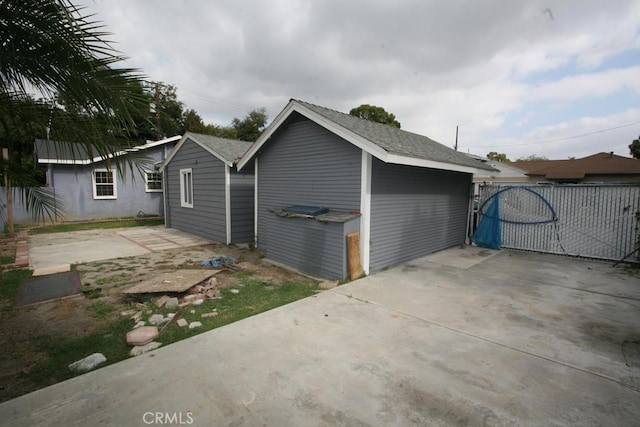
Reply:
x=50, y=50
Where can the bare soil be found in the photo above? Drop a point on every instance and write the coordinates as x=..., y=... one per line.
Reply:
x=105, y=281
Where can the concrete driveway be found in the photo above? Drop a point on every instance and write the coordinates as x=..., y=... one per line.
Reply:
x=462, y=337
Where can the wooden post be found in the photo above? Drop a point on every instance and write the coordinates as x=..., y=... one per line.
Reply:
x=10, y=230
x=353, y=256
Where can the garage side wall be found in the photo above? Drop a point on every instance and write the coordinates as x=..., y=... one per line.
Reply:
x=304, y=164
x=415, y=211
x=207, y=218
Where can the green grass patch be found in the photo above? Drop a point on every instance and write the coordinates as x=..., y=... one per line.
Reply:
x=62, y=351
x=77, y=226
x=101, y=309
x=254, y=297
x=10, y=282
x=59, y=351
x=6, y=259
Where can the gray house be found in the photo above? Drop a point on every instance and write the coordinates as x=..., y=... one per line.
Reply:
x=204, y=193
x=88, y=189
x=321, y=174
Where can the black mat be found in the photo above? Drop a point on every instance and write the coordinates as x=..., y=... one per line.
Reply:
x=49, y=287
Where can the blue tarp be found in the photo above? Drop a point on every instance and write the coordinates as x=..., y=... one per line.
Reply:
x=489, y=233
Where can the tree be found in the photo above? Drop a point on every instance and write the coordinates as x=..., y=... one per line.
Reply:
x=250, y=128
x=49, y=47
x=375, y=114
x=634, y=148
x=532, y=158
x=498, y=157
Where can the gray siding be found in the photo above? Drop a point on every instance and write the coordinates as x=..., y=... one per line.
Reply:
x=304, y=164
x=242, y=203
x=415, y=211
x=207, y=218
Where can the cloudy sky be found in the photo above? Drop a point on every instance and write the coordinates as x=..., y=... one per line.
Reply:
x=555, y=78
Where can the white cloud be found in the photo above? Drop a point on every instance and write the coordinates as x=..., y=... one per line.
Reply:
x=433, y=64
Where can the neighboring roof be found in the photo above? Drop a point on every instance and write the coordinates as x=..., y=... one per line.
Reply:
x=227, y=151
x=500, y=169
x=76, y=154
x=597, y=164
x=391, y=145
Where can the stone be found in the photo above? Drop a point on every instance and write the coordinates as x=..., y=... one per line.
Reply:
x=197, y=302
x=172, y=303
x=170, y=315
x=211, y=314
x=194, y=325
x=190, y=298
x=142, y=335
x=137, y=316
x=234, y=291
x=182, y=323
x=141, y=349
x=162, y=301
x=157, y=319
x=88, y=363
x=328, y=284
x=192, y=311
x=139, y=324
x=127, y=313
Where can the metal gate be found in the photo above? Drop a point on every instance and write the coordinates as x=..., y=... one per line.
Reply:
x=595, y=221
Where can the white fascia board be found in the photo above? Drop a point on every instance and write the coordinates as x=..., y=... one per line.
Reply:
x=365, y=211
x=424, y=163
x=331, y=126
x=183, y=140
x=264, y=137
x=174, y=151
x=82, y=162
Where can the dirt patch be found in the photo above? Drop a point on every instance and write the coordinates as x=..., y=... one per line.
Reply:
x=103, y=283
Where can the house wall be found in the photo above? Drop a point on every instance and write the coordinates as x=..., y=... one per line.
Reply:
x=242, y=206
x=415, y=211
x=20, y=214
x=207, y=218
x=73, y=188
x=304, y=164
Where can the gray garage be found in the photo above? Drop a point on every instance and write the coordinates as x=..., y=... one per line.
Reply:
x=322, y=174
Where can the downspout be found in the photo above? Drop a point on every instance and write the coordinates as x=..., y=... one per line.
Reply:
x=165, y=204
x=255, y=202
x=227, y=200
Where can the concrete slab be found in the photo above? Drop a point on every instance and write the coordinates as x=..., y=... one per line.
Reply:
x=420, y=344
x=58, y=250
x=461, y=256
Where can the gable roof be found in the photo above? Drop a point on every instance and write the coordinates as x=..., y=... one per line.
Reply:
x=596, y=164
x=391, y=145
x=227, y=151
x=76, y=154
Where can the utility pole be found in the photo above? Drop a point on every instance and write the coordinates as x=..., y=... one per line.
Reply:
x=158, y=138
x=456, y=146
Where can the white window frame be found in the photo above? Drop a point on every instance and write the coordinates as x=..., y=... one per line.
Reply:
x=95, y=184
x=186, y=188
x=146, y=182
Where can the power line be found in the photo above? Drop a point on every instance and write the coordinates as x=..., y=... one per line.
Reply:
x=558, y=139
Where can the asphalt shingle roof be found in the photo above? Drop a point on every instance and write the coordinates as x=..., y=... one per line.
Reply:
x=46, y=149
x=396, y=141
x=229, y=149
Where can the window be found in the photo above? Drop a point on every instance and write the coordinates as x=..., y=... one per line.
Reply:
x=104, y=184
x=153, y=182
x=186, y=188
